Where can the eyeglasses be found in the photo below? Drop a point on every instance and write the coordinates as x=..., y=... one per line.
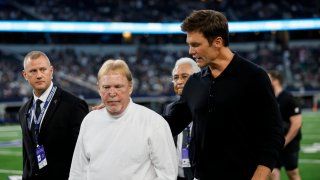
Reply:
x=184, y=77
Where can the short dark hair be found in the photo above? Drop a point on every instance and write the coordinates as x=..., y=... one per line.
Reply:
x=209, y=22
x=276, y=75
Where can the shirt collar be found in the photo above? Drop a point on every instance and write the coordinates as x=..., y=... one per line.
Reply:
x=206, y=71
x=44, y=95
x=231, y=66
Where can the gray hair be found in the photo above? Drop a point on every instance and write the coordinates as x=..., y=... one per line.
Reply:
x=186, y=60
x=34, y=55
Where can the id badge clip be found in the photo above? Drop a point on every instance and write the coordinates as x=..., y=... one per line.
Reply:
x=185, y=157
x=41, y=157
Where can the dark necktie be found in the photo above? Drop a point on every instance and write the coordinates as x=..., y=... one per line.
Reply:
x=34, y=127
x=38, y=108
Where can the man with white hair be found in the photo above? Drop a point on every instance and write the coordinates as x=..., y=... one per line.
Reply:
x=183, y=68
x=123, y=140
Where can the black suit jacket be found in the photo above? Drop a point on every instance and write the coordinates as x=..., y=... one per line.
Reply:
x=58, y=134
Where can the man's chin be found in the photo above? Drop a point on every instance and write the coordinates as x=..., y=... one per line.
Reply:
x=113, y=110
x=39, y=90
x=200, y=65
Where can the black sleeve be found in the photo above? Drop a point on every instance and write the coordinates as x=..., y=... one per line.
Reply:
x=177, y=115
x=80, y=110
x=270, y=131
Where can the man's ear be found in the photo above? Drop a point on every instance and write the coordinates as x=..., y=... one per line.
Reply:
x=131, y=89
x=218, y=42
x=97, y=86
x=24, y=74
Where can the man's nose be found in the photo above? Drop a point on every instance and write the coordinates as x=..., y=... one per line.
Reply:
x=39, y=74
x=191, y=50
x=112, y=91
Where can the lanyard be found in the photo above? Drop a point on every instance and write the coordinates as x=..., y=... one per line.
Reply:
x=37, y=121
x=187, y=130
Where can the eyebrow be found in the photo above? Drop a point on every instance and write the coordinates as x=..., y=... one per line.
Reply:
x=182, y=74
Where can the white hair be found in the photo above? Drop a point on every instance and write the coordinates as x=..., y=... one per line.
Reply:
x=186, y=60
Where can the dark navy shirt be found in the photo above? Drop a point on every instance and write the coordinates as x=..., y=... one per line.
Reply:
x=289, y=106
x=236, y=121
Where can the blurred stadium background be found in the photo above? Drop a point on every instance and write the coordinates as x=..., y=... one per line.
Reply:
x=77, y=55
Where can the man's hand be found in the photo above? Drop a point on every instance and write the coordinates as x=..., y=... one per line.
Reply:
x=97, y=107
x=261, y=173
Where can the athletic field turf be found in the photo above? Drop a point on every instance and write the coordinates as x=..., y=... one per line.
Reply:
x=10, y=149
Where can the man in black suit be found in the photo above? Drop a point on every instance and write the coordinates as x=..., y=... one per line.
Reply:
x=50, y=122
x=183, y=68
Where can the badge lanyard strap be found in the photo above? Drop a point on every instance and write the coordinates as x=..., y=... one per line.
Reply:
x=189, y=127
x=189, y=134
x=38, y=120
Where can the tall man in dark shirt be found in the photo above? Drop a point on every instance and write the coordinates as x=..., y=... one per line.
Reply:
x=237, y=127
x=292, y=122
